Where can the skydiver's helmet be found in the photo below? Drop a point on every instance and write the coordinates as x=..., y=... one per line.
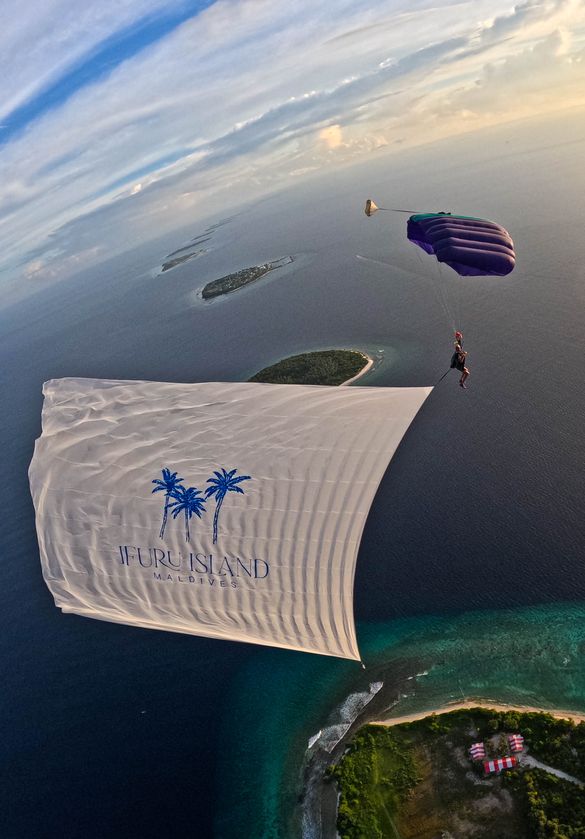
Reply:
x=458, y=335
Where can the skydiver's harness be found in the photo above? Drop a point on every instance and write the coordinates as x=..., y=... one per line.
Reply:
x=454, y=365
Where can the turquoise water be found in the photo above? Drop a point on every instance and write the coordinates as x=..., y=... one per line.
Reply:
x=528, y=657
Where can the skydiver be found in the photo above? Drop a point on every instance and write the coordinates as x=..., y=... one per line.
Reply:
x=458, y=347
x=458, y=359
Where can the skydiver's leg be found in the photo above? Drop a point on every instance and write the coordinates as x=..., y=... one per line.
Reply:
x=464, y=376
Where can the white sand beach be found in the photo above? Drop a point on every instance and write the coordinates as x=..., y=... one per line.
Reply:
x=368, y=366
x=479, y=703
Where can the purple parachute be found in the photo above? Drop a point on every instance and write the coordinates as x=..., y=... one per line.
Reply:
x=471, y=246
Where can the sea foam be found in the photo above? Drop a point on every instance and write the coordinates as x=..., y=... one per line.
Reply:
x=343, y=718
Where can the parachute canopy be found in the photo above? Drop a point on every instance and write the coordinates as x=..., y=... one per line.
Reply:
x=471, y=246
x=371, y=208
x=227, y=510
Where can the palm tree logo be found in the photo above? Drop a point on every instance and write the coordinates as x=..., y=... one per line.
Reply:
x=168, y=485
x=189, y=501
x=223, y=483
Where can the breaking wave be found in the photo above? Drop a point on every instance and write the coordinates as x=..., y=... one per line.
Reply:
x=343, y=718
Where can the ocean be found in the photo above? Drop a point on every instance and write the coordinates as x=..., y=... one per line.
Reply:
x=470, y=571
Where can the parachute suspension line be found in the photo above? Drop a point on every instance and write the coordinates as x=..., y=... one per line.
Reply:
x=460, y=309
x=452, y=286
x=372, y=207
x=460, y=300
x=396, y=210
x=438, y=296
x=434, y=285
x=443, y=290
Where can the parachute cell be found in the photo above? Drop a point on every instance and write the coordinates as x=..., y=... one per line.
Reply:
x=470, y=246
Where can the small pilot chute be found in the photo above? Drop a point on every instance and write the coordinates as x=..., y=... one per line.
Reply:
x=470, y=246
x=371, y=208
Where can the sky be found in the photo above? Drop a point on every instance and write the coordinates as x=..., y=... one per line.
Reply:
x=121, y=120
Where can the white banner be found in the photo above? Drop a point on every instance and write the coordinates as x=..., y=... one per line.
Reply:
x=229, y=510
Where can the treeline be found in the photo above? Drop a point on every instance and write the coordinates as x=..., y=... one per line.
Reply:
x=560, y=743
x=325, y=367
x=554, y=808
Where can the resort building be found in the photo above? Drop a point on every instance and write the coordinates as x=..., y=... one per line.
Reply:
x=477, y=751
x=516, y=742
x=499, y=764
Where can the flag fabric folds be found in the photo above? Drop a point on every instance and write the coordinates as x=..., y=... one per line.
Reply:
x=227, y=510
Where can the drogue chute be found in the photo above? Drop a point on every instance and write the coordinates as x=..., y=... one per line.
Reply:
x=370, y=208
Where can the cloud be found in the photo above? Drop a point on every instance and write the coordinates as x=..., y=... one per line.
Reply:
x=546, y=73
x=331, y=136
x=58, y=41
x=33, y=268
x=243, y=96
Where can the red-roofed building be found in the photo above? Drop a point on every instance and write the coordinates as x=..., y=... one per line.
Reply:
x=477, y=751
x=516, y=742
x=500, y=763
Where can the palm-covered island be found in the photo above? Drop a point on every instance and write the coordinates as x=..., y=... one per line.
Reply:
x=231, y=282
x=324, y=367
x=440, y=777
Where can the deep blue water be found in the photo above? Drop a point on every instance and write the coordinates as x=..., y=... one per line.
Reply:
x=113, y=731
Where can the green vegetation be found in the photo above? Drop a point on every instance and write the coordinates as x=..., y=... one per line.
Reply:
x=554, y=808
x=559, y=743
x=416, y=780
x=326, y=367
x=374, y=777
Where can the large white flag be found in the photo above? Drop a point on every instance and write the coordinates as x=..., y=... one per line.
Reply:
x=229, y=510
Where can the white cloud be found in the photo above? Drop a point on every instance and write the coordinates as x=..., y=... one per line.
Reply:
x=250, y=94
x=40, y=40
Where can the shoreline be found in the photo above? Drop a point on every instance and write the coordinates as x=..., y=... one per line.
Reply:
x=559, y=714
x=322, y=809
x=365, y=369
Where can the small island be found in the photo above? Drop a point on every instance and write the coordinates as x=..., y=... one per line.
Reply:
x=325, y=367
x=232, y=282
x=190, y=251
x=475, y=772
x=173, y=261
